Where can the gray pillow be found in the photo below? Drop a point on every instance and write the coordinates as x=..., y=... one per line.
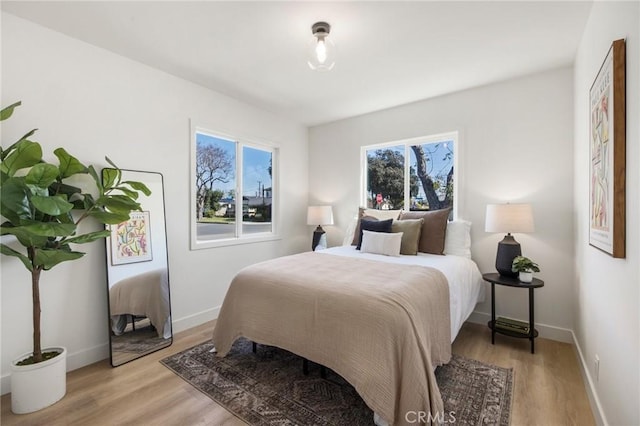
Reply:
x=411, y=230
x=434, y=229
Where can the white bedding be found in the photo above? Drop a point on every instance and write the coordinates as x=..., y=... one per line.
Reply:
x=465, y=279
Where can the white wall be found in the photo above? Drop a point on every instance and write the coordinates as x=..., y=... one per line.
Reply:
x=515, y=145
x=95, y=103
x=607, y=293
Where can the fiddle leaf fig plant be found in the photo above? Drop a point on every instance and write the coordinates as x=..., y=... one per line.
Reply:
x=524, y=264
x=42, y=208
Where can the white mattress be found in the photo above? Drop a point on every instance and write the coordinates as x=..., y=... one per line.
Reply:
x=463, y=275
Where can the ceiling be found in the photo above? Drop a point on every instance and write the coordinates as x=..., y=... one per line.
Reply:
x=388, y=53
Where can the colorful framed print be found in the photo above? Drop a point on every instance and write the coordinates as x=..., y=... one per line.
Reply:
x=130, y=240
x=607, y=154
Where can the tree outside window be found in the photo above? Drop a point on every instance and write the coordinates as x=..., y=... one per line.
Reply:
x=410, y=175
x=234, y=189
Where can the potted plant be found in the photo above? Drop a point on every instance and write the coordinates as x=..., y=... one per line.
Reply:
x=41, y=211
x=525, y=268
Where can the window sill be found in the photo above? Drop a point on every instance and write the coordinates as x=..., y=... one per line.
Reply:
x=206, y=244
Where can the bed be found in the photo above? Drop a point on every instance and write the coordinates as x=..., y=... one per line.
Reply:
x=145, y=294
x=384, y=323
x=464, y=278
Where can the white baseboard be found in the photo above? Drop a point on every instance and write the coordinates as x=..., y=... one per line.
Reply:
x=5, y=386
x=196, y=319
x=98, y=353
x=547, y=331
x=594, y=401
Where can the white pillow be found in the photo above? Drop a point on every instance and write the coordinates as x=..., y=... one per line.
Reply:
x=384, y=243
x=351, y=230
x=457, y=241
x=378, y=214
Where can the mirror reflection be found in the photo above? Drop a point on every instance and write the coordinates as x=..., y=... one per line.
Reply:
x=138, y=277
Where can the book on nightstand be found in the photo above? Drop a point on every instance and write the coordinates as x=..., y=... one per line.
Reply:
x=512, y=325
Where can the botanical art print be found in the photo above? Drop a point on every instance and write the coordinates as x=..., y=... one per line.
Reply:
x=607, y=154
x=130, y=240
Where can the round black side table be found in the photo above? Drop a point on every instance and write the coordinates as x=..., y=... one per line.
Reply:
x=495, y=278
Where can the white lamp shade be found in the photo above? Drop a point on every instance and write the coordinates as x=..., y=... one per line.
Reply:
x=509, y=218
x=319, y=215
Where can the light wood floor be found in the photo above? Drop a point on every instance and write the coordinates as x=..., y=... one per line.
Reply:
x=548, y=387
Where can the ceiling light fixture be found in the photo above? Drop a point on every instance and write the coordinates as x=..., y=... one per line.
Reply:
x=322, y=50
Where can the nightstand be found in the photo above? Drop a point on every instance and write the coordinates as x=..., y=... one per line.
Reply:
x=495, y=278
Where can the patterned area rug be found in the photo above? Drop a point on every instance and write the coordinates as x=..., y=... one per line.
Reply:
x=140, y=341
x=268, y=388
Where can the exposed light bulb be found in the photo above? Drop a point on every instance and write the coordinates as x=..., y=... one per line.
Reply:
x=321, y=56
x=321, y=51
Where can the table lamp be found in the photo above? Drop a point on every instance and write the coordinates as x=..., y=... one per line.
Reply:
x=508, y=218
x=319, y=215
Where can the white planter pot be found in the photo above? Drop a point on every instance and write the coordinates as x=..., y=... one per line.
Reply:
x=36, y=386
x=525, y=277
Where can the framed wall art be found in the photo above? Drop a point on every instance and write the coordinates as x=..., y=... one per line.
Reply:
x=607, y=154
x=130, y=240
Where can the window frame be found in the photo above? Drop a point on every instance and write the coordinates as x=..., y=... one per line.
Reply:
x=240, y=141
x=407, y=143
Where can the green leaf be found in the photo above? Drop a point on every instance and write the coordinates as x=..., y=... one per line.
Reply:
x=36, y=190
x=118, y=203
x=26, y=154
x=86, y=202
x=6, y=112
x=63, y=188
x=24, y=236
x=52, y=205
x=69, y=165
x=111, y=163
x=8, y=251
x=87, y=238
x=51, y=229
x=96, y=178
x=42, y=175
x=138, y=186
x=6, y=152
x=108, y=218
x=26, y=136
x=65, y=218
x=14, y=200
x=50, y=258
x=110, y=177
x=129, y=193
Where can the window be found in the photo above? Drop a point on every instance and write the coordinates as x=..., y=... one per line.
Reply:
x=415, y=174
x=233, y=190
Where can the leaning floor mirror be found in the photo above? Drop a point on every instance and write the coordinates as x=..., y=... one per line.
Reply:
x=138, y=276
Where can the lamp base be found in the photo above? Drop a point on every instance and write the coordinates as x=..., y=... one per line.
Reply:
x=317, y=234
x=508, y=249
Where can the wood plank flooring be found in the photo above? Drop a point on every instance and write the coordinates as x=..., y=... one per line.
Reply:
x=549, y=389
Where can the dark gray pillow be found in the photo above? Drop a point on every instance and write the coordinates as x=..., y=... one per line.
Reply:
x=357, y=235
x=374, y=226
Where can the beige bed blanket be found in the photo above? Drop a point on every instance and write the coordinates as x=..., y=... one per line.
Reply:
x=381, y=326
x=145, y=294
